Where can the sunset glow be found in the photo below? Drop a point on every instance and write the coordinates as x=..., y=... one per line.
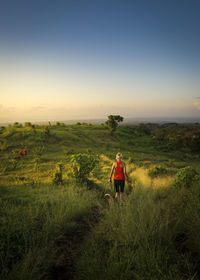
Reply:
x=65, y=60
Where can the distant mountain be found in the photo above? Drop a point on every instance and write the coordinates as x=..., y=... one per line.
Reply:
x=127, y=120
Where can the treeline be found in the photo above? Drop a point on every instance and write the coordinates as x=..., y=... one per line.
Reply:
x=171, y=136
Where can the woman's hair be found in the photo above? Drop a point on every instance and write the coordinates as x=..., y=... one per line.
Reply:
x=119, y=155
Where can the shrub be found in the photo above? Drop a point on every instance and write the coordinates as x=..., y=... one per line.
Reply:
x=9, y=131
x=58, y=175
x=46, y=132
x=195, y=143
x=38, y=152
x=18, y=125
x=82, y=164
x=9, y=162
x=3, y=144
x=186, y=177
x=2, y=128
x=13, y=159
x=26, y=124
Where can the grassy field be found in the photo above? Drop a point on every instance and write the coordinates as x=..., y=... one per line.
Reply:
x=152, y=234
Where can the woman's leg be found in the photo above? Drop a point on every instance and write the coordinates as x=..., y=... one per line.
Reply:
x=122, y=183
x=116, y=187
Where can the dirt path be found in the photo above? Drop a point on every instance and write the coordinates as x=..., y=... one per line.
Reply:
x=69, y=248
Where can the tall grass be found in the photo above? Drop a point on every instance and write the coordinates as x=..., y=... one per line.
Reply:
x=153, y=234
x=32, y=220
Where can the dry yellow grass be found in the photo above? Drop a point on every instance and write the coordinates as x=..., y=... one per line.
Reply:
x=141, y=176
x=105, y=159
x=162, y=182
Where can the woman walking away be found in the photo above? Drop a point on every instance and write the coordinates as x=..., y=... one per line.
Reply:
x=119, y=169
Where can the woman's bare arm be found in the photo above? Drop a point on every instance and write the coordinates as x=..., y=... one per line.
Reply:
x=112, y=170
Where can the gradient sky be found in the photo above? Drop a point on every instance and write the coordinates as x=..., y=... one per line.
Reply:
x=72, y=59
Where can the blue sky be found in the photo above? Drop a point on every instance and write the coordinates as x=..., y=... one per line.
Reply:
x=88, y=59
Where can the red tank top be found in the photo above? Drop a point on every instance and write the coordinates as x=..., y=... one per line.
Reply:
x=119, y=172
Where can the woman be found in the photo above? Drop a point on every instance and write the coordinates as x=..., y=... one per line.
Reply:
x=119, y=169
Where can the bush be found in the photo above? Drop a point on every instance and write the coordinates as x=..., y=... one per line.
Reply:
x=2, y=128
x=186, y=177
x=82, y=164
x=38, y=151
x=195, y=143
x=26, y=124
x=46, y=132
x=9, y=131
x=58, y=175
x=18, y=125
x=3, y=145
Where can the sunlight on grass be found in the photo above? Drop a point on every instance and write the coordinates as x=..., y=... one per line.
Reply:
x=153, y=233
x=141, y=176
x=142, y=238
x=106, y=159
x=162, y=182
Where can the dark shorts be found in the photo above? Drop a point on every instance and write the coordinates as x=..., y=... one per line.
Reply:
x=119, y=185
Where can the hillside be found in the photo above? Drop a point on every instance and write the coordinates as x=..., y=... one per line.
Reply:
x=56, y=143
x=71, y=231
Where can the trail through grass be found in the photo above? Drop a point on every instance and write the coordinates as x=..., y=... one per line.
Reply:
x=150, y=235
x=33, y=221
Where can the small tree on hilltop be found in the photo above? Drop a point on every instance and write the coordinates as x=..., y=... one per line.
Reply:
x=113, y=121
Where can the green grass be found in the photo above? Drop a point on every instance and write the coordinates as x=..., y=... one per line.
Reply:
x=153, y=234
x=96, y=137
x=33, y=219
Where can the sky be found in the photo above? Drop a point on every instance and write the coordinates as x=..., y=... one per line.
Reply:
x=81, y=59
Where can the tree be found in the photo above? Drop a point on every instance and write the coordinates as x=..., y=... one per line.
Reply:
x=113, y=121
